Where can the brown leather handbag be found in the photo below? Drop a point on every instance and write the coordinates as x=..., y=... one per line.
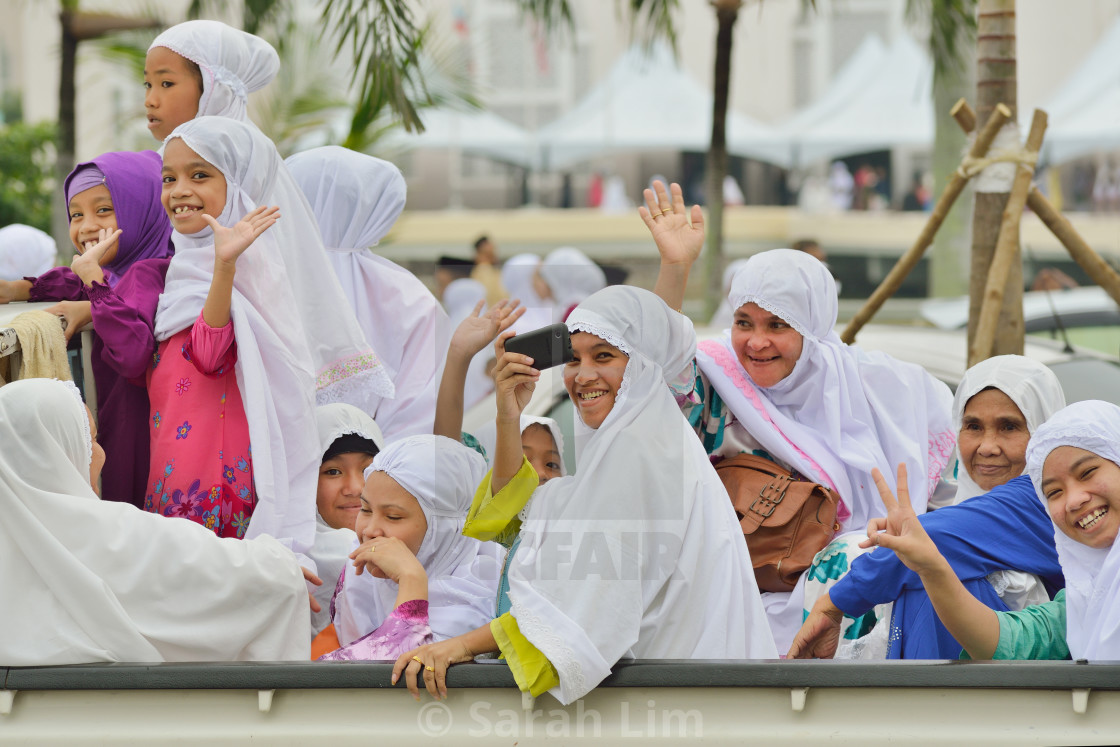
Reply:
x=785, y=521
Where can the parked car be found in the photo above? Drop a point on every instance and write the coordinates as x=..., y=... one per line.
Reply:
x=1088, y=316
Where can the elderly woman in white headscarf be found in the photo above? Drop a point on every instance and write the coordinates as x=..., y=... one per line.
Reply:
x=1073, y=463
x=998, y=405
x=92, y=581
x=781, y=384
x=415, y=577
x=204, y=68
x=638, y=554
x=356, y=200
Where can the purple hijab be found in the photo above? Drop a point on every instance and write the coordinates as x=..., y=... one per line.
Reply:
x=134, y=181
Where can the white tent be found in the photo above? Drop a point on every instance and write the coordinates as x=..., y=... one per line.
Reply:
x=646, y=102
x=474, y=132
x=881, y=98
x=1085, y=113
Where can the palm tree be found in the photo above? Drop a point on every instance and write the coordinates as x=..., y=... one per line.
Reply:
x=951, y=39
x=996, y=83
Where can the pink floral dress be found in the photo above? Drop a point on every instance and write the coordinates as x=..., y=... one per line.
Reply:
x=201, y=460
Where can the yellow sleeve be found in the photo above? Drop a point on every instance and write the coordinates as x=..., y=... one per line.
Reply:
x=531, y=670
x=494, y=517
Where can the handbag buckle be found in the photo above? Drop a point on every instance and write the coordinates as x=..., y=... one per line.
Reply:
x=770, y=496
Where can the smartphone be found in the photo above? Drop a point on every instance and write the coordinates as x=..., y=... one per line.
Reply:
x=548, y=346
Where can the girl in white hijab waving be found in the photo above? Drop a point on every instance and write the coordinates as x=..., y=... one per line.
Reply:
x=1073, y=463
x=639, y=554
x=250, y=339
x=91, y=581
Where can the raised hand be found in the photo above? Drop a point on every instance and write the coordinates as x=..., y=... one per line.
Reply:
x=514, y=380
x=900, y=529
x=479, y=330
x=230, y=243
x=679, y=240
x=87, y=265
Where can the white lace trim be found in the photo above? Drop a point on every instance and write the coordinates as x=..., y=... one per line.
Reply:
x=774, y=309
x=73, y=389
x=364, y=391
x=349, y=430
x=559, y=653
x=605, y=333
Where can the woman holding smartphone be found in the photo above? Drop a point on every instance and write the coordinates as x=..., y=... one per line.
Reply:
x=639, y=554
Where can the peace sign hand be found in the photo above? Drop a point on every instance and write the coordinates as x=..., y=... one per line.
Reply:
x=901, y=530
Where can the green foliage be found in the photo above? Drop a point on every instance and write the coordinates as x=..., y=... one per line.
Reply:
x=27, y=155
x=952, y=31
x=386, y=45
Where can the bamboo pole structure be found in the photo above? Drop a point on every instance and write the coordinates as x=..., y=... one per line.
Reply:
x=1099, y=271
x=1007, y=248
x=907, y=261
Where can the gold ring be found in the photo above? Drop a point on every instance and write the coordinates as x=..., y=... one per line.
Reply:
x=418, y=660
x=372, y=548
x=666, y=211
x=430, y=669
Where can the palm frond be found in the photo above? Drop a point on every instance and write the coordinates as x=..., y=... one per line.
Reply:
x=952, y=31
x=383, y=40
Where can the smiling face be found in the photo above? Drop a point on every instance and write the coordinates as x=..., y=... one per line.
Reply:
x=90, y=212
x=1082, y=492
x=388, y=510
x=539, y=448
x=593, y=377
x=191, y=186
x=993, y=439
x=766, y=345
x=173, y=87
x=338, y=497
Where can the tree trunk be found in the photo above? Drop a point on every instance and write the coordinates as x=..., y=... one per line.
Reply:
x=949, y=254
x=726, y=15
x=64, y=160
x=996, y=82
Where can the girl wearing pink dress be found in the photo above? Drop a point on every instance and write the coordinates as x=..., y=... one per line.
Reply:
x=248, y=339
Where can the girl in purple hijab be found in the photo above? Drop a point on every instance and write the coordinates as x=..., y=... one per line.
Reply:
x=123, y=239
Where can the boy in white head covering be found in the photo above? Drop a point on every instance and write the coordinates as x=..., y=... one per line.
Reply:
x=204, y=68
x=415, y=577
x=349, y=440
x=356, y=200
